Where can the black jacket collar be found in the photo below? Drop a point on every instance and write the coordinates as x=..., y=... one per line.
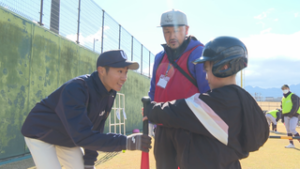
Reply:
x=100, y=88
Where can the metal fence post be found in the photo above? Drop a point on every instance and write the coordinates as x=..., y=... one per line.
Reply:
x=149, y=64
x=119, y=36
x=131, y=48
x=102, y=33
x=141, y=58
x=55, y=16
x=41, y=14
x=78, y=25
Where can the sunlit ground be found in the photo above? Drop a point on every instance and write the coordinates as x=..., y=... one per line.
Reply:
x=273, y=155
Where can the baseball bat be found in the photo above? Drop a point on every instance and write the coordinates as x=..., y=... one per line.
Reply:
x=145, y=156
x=285, y=137
x=282, y=133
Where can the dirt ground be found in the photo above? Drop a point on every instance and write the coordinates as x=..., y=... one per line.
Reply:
x=273, y=155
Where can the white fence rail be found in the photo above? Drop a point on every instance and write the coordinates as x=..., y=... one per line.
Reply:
x=117, y=116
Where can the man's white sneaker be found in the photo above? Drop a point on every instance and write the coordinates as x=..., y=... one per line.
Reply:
x=290, y=146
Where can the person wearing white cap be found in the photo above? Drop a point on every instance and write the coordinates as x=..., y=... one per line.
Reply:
x=175, y=77
x=73, y=116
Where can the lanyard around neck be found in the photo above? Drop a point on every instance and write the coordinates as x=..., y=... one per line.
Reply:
x=169, y=67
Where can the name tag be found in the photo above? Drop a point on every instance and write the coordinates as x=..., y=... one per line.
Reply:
x=163, y=81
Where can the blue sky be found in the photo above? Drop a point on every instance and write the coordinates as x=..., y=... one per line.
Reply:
x=270, y=29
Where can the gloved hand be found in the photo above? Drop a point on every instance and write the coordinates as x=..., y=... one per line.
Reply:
x=138, y=141
x=89, y=167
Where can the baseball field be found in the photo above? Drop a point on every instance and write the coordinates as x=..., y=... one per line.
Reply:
x=273, y=155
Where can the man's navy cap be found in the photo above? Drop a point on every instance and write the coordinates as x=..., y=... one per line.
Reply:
x=116, y=58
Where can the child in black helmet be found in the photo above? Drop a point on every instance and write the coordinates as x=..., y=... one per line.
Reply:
x=222, y=125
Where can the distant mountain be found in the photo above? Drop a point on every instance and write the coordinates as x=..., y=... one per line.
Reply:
x=264, y=93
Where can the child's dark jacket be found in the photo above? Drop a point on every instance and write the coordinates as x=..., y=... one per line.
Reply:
x=220, y=127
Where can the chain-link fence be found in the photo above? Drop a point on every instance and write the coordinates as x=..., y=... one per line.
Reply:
x=85, y=23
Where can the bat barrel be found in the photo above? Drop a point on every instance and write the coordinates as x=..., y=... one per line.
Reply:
x=284, y=137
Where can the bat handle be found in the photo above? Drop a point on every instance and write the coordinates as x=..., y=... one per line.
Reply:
x=146, y=101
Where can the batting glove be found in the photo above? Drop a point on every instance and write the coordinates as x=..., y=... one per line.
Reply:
x=138, y=141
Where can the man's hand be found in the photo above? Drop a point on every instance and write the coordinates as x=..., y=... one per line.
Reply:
x=290, y=115
x=89, y=167
x=138, y=141
x=144, y=118
x=148, y=108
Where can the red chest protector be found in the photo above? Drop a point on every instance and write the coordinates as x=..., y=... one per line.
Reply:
x=178, y=87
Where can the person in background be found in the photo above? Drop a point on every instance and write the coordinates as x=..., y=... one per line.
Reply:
x=272, y=117
x=290, y=112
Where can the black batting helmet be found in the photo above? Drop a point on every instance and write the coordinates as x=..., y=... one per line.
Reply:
x=225, y=50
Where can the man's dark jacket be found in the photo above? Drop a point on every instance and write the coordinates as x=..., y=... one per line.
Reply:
x=74, y=116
